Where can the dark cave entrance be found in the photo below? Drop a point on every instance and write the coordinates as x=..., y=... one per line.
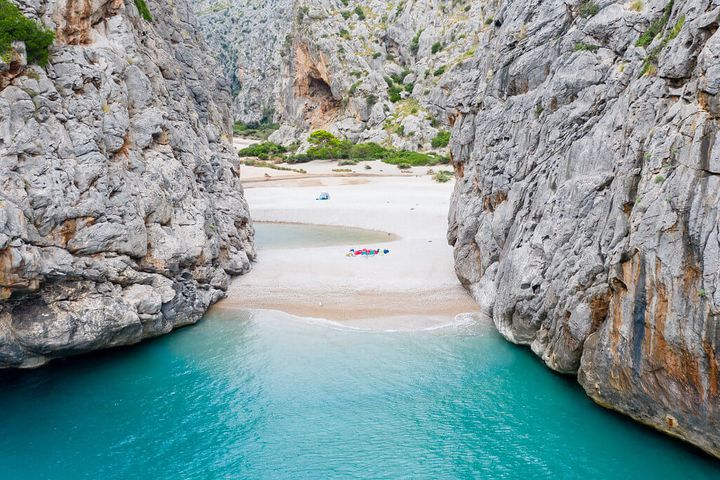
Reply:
x=322, y=105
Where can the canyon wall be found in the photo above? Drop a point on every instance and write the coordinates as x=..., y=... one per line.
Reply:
x=367, y=71
x=585, y=217
x=121, y=212
x=248, y=40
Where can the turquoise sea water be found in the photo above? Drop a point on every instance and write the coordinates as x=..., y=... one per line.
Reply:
x=265, y=395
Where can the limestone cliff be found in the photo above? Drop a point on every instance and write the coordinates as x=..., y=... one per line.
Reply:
x=247, y=38
x=121, y=212
x=585, y=217
x=368, y=71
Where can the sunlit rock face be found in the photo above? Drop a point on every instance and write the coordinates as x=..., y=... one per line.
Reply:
x=121, y=212
x=585, y=216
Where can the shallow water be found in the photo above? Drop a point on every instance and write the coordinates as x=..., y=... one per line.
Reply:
x=291, y=235
x=266, y=395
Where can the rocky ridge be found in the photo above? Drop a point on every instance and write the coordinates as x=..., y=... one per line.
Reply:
x=366, y=71
x=585, y=216
x=121, y=213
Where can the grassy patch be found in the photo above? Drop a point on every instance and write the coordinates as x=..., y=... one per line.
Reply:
x=259, y=131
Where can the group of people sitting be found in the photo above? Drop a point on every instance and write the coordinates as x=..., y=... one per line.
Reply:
x=367, y=252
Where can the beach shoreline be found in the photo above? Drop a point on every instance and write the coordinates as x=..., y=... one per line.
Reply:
x=416, y=279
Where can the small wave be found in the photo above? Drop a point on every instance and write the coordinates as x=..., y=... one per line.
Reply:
x=463, y=323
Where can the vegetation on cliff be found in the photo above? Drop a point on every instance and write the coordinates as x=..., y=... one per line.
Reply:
x=144, y=10
x=15, y=27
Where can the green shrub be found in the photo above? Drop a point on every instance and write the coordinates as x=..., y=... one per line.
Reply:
x=321, y=137
x=441, y=140
x=588, y=8
x=416, y=159
x=257, y=130
x=586, y=47
x=15, y=27
x=415, y=43
x=325, y=146
x=439, y=71
x=409, y=87
x=400, y=77
x=298, y=158
x=655, y=27
x=263, y=151
x=359, y=12
x=368, y=151
x=377, y=55
x=394, y=93
x=144, y=10
x=437, y=46
x=443, y=176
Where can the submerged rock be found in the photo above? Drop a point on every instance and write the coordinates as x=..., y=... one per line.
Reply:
x=585, y=216
x=121, y=212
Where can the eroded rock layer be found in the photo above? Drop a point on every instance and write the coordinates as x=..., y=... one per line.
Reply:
x=121, y=212
x=585, y=218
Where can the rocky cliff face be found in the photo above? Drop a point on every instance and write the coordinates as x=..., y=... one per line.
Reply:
x=121, y=213
x=248, y=39
x=367, y=71
x=585, y=216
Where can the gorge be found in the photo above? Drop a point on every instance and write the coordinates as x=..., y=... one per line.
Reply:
x=583, y=217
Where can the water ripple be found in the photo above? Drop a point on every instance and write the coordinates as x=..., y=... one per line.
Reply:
x=266, y=395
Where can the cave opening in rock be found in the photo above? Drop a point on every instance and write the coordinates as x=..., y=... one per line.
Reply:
x=322, y=105
x=319, y=89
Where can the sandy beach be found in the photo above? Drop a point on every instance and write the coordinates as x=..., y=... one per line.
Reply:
x=415, y=284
